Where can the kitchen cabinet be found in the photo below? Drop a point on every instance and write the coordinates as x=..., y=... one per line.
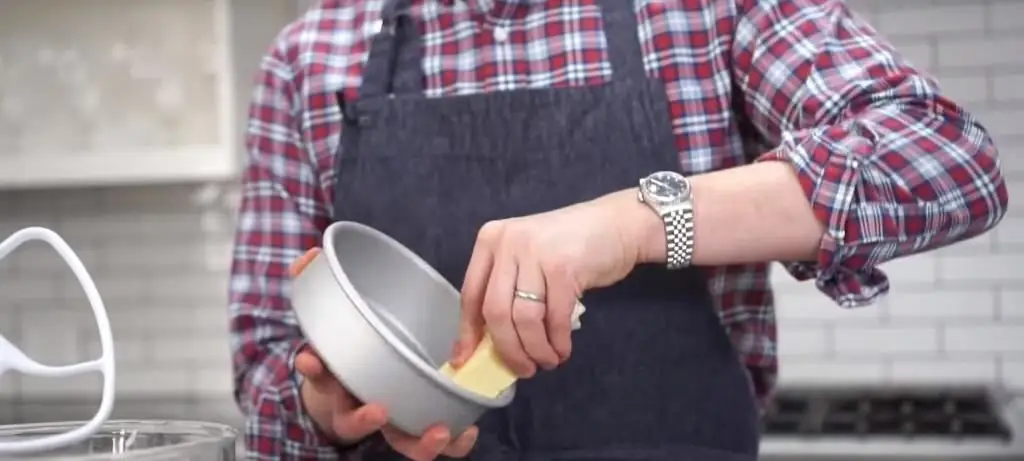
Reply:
x=112, y=92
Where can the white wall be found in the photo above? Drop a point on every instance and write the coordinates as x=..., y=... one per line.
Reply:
x=160, y=257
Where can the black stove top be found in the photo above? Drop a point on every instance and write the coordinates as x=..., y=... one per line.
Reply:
x=960, y=413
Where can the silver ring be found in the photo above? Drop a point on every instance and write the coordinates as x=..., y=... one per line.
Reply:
x=527, y=296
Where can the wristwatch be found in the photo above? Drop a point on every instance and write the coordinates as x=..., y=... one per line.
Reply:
x=668, y=194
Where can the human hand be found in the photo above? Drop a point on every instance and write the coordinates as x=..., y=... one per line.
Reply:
x=339, y=414
x=554, y=255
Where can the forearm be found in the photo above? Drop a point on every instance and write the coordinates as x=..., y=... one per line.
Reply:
x=729, y=205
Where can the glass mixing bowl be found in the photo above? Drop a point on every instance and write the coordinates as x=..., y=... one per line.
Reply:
x=134, y=441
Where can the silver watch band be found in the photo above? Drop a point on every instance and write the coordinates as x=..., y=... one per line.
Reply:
x=679, y=237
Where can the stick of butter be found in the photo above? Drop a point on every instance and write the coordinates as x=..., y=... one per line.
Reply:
x=484, y=373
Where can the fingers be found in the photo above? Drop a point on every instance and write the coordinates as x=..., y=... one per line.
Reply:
x=425, y=448
x=308, y=364
x=299, y=264
x=497, y=312
x=527, y=333
x=353, y=425
x=351, y=421
x=436, y=441
x=529, y=316
x=461, y=446
x=561, y=300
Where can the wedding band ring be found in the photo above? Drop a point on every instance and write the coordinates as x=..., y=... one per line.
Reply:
x=527, y=296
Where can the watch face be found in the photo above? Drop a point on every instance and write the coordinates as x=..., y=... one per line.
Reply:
x=666, y=186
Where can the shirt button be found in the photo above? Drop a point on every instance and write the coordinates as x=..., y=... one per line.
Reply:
x=500, y=34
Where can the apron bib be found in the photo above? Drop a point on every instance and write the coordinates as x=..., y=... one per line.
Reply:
x=653, y=375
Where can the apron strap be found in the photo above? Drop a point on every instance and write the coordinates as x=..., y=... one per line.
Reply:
x=622, y=34
x=394, y=62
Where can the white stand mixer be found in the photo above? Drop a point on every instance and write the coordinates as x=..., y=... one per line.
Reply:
x=13, y=359
x=99, y=439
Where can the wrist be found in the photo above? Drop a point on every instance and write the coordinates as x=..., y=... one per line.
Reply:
x=640, y=228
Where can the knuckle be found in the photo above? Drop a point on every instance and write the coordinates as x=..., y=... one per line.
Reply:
x=526, y=369
x=513, y=354
x=494, y=314
x=490, y=232
x=469, y=304
x=558, y=267
x=471, y=299
x=541, y=350
x=515, y=232
x=562, y=345
x=559, y=324
x=566, y=354
x=527, y=315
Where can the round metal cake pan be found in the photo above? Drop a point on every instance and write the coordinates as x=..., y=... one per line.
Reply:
x=383, y=321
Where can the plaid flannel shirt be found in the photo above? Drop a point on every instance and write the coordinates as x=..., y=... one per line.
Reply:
x=889, y=164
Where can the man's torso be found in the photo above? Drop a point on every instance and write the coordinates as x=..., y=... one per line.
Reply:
x=489, y=46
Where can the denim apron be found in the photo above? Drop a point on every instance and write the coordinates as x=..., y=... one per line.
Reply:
x=653, y=375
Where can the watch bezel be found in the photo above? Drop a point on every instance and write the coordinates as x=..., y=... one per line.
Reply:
x=680, y=196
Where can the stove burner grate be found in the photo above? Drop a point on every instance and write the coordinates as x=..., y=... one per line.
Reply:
x=960, y=414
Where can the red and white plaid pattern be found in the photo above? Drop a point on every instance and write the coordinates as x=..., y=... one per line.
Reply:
x=888, y=163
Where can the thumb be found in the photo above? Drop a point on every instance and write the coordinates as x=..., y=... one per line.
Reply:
x=296, y=267
x=309, y=365
x=470, y=334
x=474, y=288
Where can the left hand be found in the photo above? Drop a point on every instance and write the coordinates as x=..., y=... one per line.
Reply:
x=556, y=255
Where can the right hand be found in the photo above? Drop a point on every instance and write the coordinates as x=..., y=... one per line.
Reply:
x=339, y=414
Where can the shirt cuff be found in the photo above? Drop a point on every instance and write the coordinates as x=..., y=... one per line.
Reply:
x=829, y=172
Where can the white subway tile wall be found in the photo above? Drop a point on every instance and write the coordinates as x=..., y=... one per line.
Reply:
x=160, y=257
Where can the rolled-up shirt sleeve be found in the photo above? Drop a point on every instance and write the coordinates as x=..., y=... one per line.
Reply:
x=890, y=166
x=281, y=215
